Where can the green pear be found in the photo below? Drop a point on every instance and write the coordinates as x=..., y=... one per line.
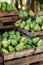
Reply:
x=11, y=49
x=29, y=41
x=32, y=25
x=21, y=14
x=38, y=20
x=19, y=47
x=27, y=27
x=37, y=28
x=42, y=27
x=28, y=47
x=29, y=21
x=22, y=24
x=31, y=13
x=5, y=34
x=25, y=13
x=40, y=43
x=13, y=42
x=35, y=40
x=17, y=23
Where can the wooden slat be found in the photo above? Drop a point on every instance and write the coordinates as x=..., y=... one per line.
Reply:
x=39, y=13
x=26, y=60
x=8, y=13
x=9, y=19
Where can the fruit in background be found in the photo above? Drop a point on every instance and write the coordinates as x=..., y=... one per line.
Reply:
x=33, y=46
x=27, y=27
x=37, y=6
x=32, y=25
x=9, y=7
x=3, y=6
x=11, y=33
x=19, y=4
x=23, y=40
x=5, y=34
x=17, y=24
x=22, y=24
x=5, y=43
x=11, y=49
x=19, y=47
x=42, y=27
x=17, y=33
x=37, y=28
x=25, y=13
x=29, y=41
x=29, y=21
x=40, y=43
x=14, y=8
x=28, y=46
x=13, y=42
x=21, y=14
x=4, y=51
x=35, y=40
x=38, y=20
x=31, y=13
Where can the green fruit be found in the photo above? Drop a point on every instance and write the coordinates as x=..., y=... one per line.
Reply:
x=13, y=42
x=32, y=25
x=37, y=28
x=28, y=47
x=42, y=27
x=22, y=24
x=21, y=14
x=5, y=43
x=9, y=7
x=32, y=30
x=24, y=40
x=31, y=13
x=33, y=46
x=35, y=40
x=9, y=41
x=27, y=27
x=14, y=8
x=29, y=41
x=5, y=34
x=11, y=33
x=38, y=20
x=40, y=43
x=0, y=45
x=4, y=51
x=3, y=6
x=19, y=47
x=17, y=24
x=17, y=33
x=25, y=14
x=29, y=21
x=11, y=49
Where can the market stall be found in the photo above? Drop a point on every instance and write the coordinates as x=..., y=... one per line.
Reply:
x=21, y=32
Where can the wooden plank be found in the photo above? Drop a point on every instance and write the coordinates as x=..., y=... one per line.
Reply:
x=6, y=13
x=26, y=60
x=9, y=19
x=18, y=54
x=39, y=13
x=6, y=27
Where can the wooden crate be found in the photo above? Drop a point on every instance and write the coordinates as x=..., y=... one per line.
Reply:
x=26, y=60
x=34, y=8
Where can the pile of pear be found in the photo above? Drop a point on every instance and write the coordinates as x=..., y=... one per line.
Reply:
x=14, y=42
x=31, y=25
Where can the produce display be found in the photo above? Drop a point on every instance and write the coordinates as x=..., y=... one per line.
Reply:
x=31, y=25
x=39, y=5
x=13, y=41
x=7, y=7
x=25, y=13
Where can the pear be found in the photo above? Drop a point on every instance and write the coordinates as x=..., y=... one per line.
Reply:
x=13, y=42
x=29, y=41
x=37, y=28
x=19, y=47
x=31, y=13
x=28, y=47
x=38, y=20
x=11, y=49
x=35, y=40
x=17, y=24
x=27, y=27
x=22, y=24
x=32, y=25
x=42, y=27
x=29, y=21
x=25, y=13
x=40, y=43
x=21, y=14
